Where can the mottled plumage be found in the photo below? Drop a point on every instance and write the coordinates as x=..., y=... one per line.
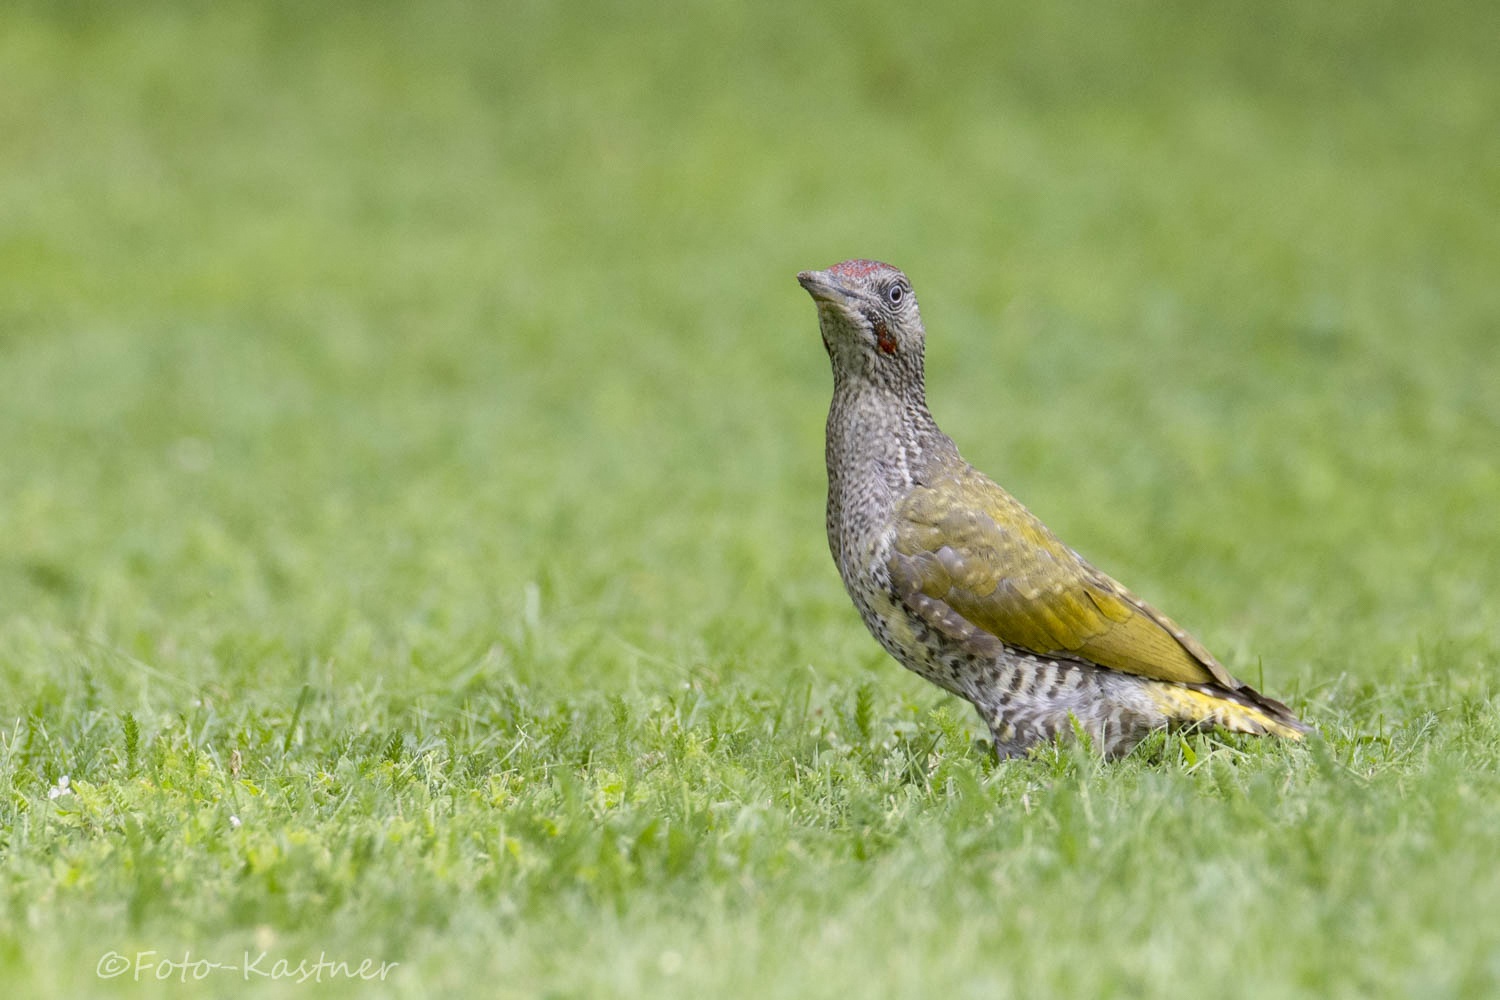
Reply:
x=964, y=585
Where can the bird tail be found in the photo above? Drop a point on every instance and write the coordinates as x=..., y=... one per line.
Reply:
x=1243, y=710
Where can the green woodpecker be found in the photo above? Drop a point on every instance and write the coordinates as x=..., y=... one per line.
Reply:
x=963, y=585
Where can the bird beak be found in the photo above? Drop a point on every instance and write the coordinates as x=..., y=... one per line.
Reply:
x=824, y=287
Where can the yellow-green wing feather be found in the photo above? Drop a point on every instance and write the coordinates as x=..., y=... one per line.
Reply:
x=968, y=545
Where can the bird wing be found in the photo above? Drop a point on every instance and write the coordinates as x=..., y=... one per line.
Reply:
x=964, y=547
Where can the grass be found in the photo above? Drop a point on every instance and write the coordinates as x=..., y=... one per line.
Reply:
x=411, y=495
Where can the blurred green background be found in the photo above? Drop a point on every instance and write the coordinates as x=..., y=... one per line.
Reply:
x=397, y=349
x=355, y=321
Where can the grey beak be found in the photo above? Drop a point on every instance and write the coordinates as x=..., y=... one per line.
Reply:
x=823, y=286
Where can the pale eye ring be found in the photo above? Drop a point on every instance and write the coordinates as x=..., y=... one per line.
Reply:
x=896, y=294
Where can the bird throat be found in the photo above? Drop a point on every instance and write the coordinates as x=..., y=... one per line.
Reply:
x=880, y=442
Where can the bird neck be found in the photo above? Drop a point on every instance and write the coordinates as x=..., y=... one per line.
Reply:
x=900, y=374
x=881, y=440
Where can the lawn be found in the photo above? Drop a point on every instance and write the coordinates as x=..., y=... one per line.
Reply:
x=411, y=495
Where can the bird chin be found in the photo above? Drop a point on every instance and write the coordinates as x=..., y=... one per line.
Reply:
x=840, y=312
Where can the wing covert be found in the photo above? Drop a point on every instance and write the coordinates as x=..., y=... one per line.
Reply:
x=972, y=550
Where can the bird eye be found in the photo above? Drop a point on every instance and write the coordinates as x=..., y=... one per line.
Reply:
x=895, y=294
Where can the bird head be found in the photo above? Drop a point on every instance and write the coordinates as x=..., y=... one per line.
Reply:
x=870, y=323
